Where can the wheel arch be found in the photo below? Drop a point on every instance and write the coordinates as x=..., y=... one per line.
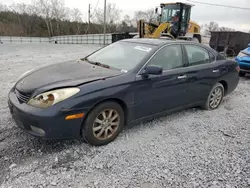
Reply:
x=225, y=85
x=118, y=101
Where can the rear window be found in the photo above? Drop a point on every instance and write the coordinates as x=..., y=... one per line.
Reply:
x=197, y=55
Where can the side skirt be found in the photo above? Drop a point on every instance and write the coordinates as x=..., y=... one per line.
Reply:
x=162, y=114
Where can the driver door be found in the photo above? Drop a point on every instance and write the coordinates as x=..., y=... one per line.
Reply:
x=168, y=91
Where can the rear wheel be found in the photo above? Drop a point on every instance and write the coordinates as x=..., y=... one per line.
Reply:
x=103, y=124
x=242, y=74
x=215, y=97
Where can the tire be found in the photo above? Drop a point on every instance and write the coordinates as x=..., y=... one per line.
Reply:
x=242, y=74
x=104, y=132
x=219, y=97
x=195, y=39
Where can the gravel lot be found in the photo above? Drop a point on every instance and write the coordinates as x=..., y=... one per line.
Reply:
x=192, y=148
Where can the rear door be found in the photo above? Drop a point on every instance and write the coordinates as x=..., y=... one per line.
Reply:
x=202, y=72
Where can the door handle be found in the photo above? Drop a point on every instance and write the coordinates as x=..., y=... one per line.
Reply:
x=182, y=77
x=217, y=70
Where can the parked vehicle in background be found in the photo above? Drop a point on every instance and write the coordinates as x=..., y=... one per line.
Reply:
x=124, y=82
x=243, y=60
x=229, y=42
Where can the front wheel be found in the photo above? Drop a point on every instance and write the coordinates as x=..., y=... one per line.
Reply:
x=103, y=124
x=215, y=97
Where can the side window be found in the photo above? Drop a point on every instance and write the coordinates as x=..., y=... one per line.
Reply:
x=169, y=57
x=197, y=55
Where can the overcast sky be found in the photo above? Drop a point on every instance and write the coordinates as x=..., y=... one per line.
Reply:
x=227, y=17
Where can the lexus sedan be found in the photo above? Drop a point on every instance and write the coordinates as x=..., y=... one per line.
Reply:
x=122, y=83
x=243, y=60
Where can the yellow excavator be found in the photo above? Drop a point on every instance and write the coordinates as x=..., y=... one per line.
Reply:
x=173, y=21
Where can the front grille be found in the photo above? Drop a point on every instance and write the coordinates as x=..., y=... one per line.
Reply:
x=22, y=97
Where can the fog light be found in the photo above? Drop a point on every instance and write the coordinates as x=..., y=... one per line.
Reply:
x=37, y=130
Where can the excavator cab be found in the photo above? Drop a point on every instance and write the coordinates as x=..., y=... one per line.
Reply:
x=178, y=15
x=173, y=21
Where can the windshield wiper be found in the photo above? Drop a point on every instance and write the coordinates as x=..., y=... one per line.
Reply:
x=97, y=63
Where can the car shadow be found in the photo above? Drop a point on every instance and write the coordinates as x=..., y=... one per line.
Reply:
x=247, y=76
x=150, y=122
x=20, y=147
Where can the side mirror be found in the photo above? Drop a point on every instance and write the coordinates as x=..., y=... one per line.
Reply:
x=156, y=10
x=151, y=69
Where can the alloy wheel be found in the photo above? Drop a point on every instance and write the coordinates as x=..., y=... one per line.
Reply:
x=106, y=124
x=216, y=97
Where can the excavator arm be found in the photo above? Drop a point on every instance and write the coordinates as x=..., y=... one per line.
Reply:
x=149, y=30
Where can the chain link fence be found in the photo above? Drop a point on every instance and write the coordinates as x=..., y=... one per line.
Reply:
x=65, y=39
x=77, y=39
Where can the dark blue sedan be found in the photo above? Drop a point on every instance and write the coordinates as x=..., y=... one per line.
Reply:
x=127, y=81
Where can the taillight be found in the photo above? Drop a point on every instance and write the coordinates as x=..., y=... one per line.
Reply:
x=238, y=68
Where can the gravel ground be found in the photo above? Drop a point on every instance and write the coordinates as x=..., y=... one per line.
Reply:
x=192, y=148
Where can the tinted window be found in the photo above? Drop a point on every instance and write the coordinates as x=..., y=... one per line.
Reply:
x=121, y=55
x=197, y=55
x=169, y=57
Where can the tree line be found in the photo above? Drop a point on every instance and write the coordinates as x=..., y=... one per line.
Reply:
x=213, y=26
x=53, y=18
x=45, y=18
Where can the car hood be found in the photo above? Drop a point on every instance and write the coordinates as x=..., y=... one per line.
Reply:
x=66, y=74
x=246, y=51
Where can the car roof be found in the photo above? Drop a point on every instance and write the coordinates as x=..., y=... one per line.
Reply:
x=155, y=42
x=163, y=41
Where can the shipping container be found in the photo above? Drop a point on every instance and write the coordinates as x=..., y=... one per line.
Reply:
x=231, y=42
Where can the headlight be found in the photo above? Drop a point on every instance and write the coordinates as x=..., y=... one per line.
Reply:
x=242, y=54
x=50, y=98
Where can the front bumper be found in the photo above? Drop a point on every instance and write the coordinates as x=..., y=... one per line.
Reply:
x=47, y=123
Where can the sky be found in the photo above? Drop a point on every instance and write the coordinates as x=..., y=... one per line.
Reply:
x=202, y=14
